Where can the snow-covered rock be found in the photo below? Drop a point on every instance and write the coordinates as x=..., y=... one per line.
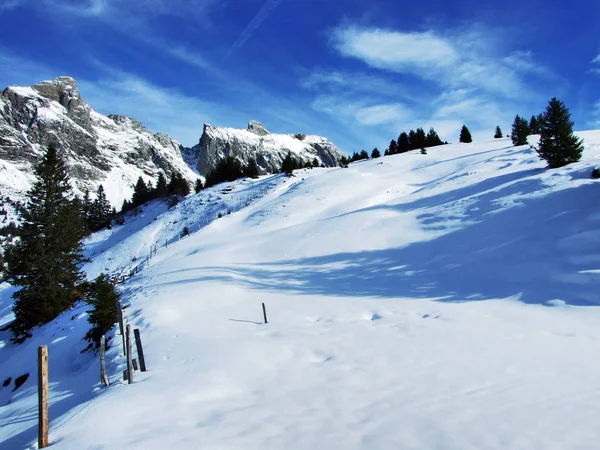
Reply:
x=113, y=151
x=269, y=150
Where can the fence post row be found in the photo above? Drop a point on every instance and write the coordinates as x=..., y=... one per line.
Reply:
x=43, y=396
x=122, y=325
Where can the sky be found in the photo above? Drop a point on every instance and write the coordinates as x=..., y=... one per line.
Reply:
x=357, y=72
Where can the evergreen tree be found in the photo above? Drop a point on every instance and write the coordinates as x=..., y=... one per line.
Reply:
x=86, y=207
x=520, y=131
x=103, y=299
x=178, y=185
x=198, y=186
x=251, y=170
x=432, y=139
x=289, y=164
x=228, y=169
x=403, y=143
x=315, y=162
x=465, y=135
x=393, y=148
x=140, y=192
x=498, y=134
x=162, y=189
x=412, y=138
x=558, y=145
x=45, y=262
x=375, y=153
x=344, y=161
x=363, y=155
x=423, y=151
x=534, y=125
x=420, y=138
x=100, y=212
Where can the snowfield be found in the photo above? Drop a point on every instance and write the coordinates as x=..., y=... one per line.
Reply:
x=439, y=301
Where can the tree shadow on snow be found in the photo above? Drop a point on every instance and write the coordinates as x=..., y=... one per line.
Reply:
x=513, y=240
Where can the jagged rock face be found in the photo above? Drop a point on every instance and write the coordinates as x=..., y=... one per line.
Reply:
x=269, y=150
x=113, y=151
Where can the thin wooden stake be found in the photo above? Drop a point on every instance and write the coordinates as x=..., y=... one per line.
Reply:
x=140, y=350
x=43, y=396
x=122, y=326
x=125, y=375
x=265, y=313
x=135, y=364
x=129, y=356
x=103, y=377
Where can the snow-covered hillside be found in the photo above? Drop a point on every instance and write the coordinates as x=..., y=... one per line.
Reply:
x=447, y=300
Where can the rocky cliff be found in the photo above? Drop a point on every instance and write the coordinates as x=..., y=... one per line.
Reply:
x=113, y=151
x=267, y=149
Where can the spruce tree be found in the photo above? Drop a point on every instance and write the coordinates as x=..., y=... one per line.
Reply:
x=393, y=148
x=178, y=185
x=498, y=134
x=251, y=170
x=100, y=211
x=534, y=125
x=315, y=162
x=520, y=131
x=375, y=153
x=140, y=192
x=161, y=190
x=198, y=186
x=289, y=164
x=412, y=139
x=45, y=263
x=465, y=135
x=432, y=139
x=363, y=155
x=103, y=299
x=403, y=143
x=558, y=145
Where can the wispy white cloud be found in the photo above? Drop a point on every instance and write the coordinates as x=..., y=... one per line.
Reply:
x=465, y=58
x=381, y=114
x=596, y=60
x=265, y=11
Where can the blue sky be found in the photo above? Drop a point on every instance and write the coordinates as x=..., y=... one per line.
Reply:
x=358, y=72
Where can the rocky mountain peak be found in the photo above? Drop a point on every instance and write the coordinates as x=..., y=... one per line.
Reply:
x=62, y=90
x=257, y=128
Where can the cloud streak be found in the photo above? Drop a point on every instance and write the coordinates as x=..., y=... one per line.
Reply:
x=263, y=14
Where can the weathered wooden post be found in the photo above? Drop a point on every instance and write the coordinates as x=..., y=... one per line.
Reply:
x=121, y=318
x=140, y=350
x=103, y=377
x=43, y=396
x=129, y=356
x=135, y=364
x=265, y=313
x=166, y=243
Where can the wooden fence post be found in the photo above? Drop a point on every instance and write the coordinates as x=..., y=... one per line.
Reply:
x=122, y=326
x=103, y=377
x=43, y=396
x=265, y=312
x=140, y=350
x=129, y=356
x=166, y=243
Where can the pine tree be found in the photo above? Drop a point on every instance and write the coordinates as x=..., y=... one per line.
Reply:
x=534, y=125
x=393, y=148
x=420, y=140
x=103, y=299
x=289, y=164
x=558, y=145
x=412, y=138
x=498, y=134
x=198, y=186
x=86, y=207
x=465, y=135
x=403, y=143
x=375, y=153
x=140, y=192
x=363, y=155
x=162, y=189
x=423, y=151
x=315, y=162
x=46, y=261
x=520, y=131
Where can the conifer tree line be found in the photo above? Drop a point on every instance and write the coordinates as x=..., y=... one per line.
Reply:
x=44, y=261
x=413, y=140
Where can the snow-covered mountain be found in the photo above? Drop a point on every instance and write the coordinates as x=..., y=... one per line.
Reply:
x=447, y=300
x=113, y=150
x=116, y=150
x=267, y=149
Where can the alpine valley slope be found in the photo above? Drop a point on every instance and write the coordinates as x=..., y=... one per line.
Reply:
x=439, y=301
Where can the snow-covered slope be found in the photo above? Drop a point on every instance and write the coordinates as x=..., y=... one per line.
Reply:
x=113, y=151
x=268, y=150
x=446, y=300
